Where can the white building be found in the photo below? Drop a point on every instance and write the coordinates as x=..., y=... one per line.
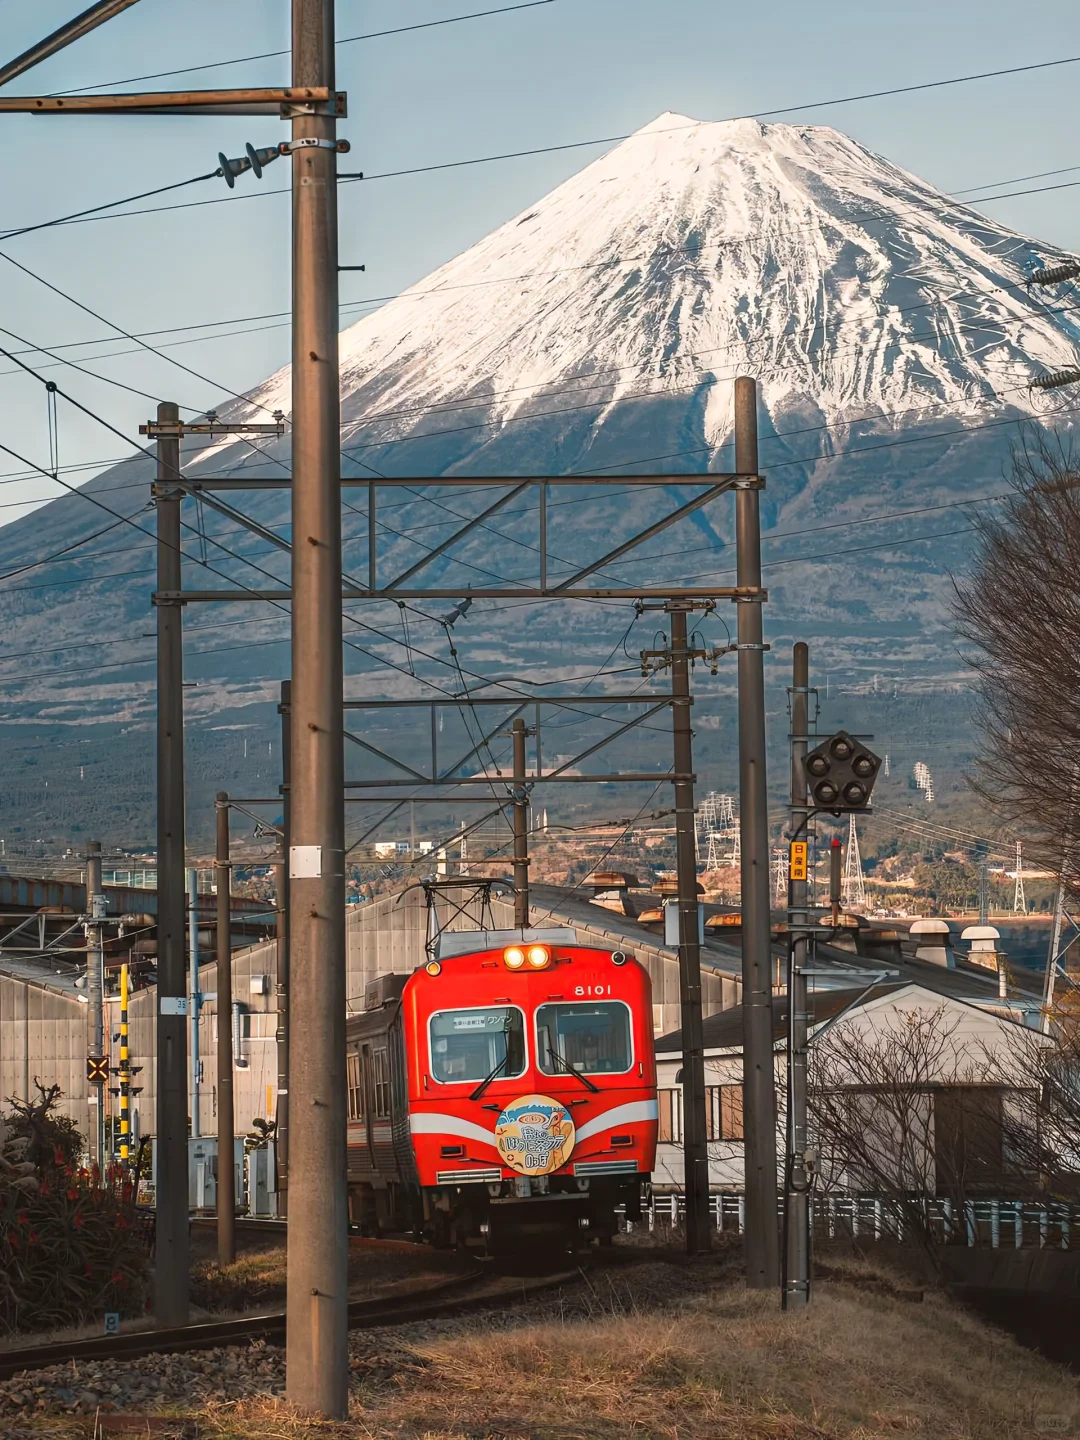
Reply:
x=975, y=1046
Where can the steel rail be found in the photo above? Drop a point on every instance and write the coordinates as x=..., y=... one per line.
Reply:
x=208, y=1335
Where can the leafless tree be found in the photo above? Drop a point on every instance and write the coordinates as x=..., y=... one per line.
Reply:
x=1019, y=609
x=904, y=1112
x=1041, y=1123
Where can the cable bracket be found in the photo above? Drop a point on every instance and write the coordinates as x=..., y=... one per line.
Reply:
x=313, y=142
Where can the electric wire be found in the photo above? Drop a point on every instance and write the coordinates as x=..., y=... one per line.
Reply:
x=346, y=40
x=109, y=205
x=126, y=335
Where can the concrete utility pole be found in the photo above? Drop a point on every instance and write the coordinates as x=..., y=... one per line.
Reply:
x=521, y=828
x=281, y=885
x=796, y=1291
x=695, y=1147
x=317, y=1319
x=95, y=989
x=759, y=1085
x=170, y=1141
x=226, y=1123
x=193, y=1000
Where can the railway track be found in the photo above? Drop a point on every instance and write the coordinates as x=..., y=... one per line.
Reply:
x=475, y=1291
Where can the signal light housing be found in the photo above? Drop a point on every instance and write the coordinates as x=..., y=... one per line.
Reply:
x=840, y=774
x=514, y=957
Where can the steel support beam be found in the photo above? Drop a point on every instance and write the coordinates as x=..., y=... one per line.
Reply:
x=470, y=482
x=478, y=592
x=66, y=35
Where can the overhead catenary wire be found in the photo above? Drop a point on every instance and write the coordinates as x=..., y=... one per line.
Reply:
x=345, y=40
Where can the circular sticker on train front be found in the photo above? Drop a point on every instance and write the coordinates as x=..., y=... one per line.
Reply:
x=535, y=1135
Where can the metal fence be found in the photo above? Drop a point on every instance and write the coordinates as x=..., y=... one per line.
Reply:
x=1001, y=1224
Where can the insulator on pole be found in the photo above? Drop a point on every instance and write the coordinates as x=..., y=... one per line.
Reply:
x=1054, y=379
x=1055, y=274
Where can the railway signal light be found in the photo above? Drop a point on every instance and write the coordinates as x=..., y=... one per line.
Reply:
x=840, y=774
x=97, y=1069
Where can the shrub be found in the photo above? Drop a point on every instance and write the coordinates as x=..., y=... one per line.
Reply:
x=71, y=1247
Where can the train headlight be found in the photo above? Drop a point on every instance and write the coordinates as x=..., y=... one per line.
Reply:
x=514, y=957
x=433, y=967
x=539, y=957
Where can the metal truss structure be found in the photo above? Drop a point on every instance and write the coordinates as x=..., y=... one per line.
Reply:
x=408, y=584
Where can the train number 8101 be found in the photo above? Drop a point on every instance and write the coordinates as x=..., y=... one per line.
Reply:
x=592, y=989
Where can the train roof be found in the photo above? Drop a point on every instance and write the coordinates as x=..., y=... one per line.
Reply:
x=468, y=942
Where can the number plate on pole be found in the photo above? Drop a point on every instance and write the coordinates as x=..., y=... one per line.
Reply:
x=799, y=850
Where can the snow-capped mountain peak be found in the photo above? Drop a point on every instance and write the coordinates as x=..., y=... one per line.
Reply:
x=695, y=251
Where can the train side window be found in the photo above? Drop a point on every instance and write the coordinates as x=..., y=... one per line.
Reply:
x=355, y=1084
x=380, y=1063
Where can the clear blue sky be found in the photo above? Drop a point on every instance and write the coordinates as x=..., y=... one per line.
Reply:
x=560, y=72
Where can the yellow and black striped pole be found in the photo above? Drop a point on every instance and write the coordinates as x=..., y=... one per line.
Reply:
x=125, y=1071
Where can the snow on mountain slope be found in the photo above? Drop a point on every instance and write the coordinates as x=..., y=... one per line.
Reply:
x=693, y=252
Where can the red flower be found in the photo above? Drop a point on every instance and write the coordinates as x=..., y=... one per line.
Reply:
x=58, y=1156
x=77, y=1221
x=22, y=1218
x=44, y=1188
x=73, y=1194
x=33, y=1238
x=117, y=1278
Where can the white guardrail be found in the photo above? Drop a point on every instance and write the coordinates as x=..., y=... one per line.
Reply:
x=1001, y=1224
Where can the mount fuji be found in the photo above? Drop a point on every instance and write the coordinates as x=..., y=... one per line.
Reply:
x=890, y=328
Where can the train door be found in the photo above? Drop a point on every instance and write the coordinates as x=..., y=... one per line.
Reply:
x=366, y=1071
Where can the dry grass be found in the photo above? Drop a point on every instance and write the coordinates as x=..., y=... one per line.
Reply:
x=257, y=1280
x=680, y=1355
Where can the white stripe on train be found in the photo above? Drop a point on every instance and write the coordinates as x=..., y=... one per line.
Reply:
x=428, y=1123
x=621, y=1115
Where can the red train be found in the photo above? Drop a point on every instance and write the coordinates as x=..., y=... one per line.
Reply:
x=504, y=1093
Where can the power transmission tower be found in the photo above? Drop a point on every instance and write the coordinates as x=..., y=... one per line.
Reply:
x=924, y=780
x=854, y=882
x=781, y=870
x=1019, y=899
x=707, y=813
x=728, y=830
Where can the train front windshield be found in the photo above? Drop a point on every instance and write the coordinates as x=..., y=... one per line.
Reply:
x=593, y=1037
x=473, y=1044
